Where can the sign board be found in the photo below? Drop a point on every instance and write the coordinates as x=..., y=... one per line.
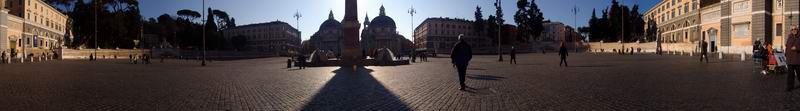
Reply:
x=780, y=58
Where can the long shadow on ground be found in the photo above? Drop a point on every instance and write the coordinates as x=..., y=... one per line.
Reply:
x=354, y=90
x=484, y=77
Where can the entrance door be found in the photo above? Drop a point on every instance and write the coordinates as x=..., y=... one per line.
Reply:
x=712, y=37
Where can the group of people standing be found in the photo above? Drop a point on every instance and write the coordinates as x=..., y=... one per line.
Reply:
x=461, y=55
x=423, y=57
x=5, y=58
x=134, y=59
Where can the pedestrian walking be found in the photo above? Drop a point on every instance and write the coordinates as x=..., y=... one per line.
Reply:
x=424, y=57
x=461, y=55
x=3, y=57
x=513, y=55
x=704, y=51
x=793, y=43
x=562, y=51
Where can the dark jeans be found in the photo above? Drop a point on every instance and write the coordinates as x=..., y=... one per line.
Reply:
x=563, y=61
x=462, y=73
x=790, y=77
x=513, y=60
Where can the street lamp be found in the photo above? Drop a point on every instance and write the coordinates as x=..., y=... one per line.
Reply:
x=412, y=11
x=499, y=32
x=297, y=17
x=575, y=23
x=204, y=34
x=96, y=36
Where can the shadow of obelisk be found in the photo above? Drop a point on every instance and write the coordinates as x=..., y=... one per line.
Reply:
x=352, y=52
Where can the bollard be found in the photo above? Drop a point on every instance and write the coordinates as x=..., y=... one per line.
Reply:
x=743, y=56
x=720, y=55
x=691, y=53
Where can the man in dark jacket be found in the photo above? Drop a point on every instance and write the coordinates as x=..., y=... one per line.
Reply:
x=562, y=51
x=461, y=55
x=793, y=45
x=703, y=51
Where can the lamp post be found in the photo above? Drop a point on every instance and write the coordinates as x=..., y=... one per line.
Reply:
x=622, y=35
x=499, y=32
x=575, y=23
x=297, y=16
x=204, y=34
x=96, y=36
x=412, y=11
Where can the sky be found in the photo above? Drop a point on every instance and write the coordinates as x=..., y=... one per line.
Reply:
x=314, y=12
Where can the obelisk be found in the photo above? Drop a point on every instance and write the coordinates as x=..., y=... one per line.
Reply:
x=352, y=51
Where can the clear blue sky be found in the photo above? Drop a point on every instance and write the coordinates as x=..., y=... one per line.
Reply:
x=316, y=11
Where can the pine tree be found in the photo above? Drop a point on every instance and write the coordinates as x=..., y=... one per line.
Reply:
x=522, y=18
x=479, y=22
x=536, y=21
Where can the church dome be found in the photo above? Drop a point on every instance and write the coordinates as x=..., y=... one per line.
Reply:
x=330, y=23
x=382, y=20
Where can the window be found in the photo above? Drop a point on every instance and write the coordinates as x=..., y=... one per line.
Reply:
x=686, y=35
x=673, y=14
x=741, y=7
x=741, y=30
x=780, y=4
x=673, y=2
x=779, y=29
x=686, y=8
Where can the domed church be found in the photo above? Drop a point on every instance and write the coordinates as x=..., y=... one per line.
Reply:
x=328, y=37
x=381, y=32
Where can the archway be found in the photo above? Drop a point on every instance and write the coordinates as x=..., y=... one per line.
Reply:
x=712, y=38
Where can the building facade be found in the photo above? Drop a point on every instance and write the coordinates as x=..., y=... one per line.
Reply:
x=557, y=32
x=272, y=37
x=381, y=32
x=441, y=34
x=31, y=27
x=328, y=37
x=727, y=25
x=677, y=20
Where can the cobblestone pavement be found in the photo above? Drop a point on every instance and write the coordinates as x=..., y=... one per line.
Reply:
x=592, y=82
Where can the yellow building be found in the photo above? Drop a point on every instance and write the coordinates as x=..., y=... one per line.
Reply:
x=31, y=27
x=677, y=20
x=727, y=25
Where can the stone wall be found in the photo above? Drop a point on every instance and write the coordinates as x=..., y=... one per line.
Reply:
x=102, y=53
x=650, y=47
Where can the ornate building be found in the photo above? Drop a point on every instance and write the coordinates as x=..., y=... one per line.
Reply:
x=381, y=32
x=730, y=26
x=31, y=27
x=328, y=37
